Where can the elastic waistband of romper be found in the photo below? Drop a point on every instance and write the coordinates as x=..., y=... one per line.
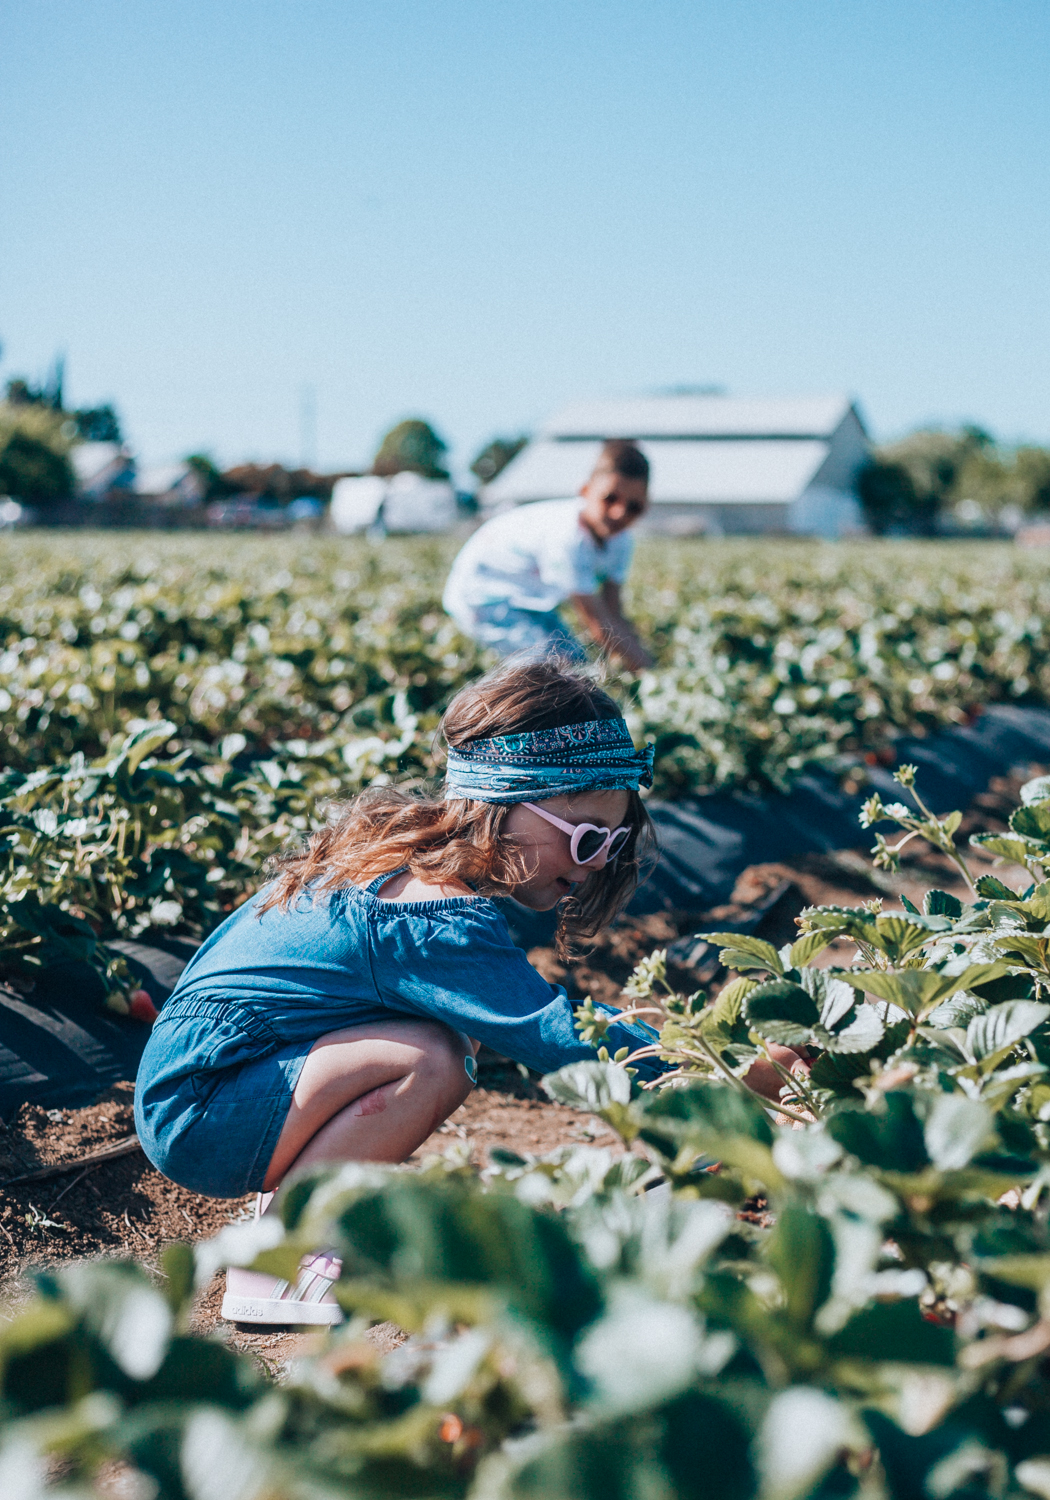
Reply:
x=230, y=1007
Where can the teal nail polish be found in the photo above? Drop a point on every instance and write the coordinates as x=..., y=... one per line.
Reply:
x=472, y=1068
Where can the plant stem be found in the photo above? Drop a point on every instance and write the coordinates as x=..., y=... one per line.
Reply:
x=794, y=1083
x=712, y=1056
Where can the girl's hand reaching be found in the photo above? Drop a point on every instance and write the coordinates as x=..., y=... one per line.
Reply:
x=764, y=1078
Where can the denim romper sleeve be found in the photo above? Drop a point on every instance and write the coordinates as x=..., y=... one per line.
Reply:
x=455, y=961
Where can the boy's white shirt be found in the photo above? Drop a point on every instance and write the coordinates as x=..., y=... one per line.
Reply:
x=534, y=557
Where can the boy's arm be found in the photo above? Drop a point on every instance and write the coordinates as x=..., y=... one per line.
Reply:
x=602, y=615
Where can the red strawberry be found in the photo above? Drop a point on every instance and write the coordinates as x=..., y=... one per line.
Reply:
x=141, y=1007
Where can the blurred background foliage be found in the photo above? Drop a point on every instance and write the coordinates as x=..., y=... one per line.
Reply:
x=413, y=447
x=934, y=481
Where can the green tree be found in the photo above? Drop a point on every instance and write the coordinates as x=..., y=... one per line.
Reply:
x=215, y=486
x=909, y=485
x=887, y=496
x=412, y=445
x=98, y=424
x=495, y=457
x=1032, y=466
x=21, y=392
x=33, y=472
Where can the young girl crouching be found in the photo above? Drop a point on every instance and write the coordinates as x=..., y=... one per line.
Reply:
x=336, y=1016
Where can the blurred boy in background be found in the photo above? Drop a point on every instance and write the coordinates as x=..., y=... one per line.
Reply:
x=508, y=581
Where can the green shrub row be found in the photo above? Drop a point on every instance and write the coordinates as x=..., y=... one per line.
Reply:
x=771, y=655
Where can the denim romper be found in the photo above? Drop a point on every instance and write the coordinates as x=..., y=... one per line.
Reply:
x=217, y=1076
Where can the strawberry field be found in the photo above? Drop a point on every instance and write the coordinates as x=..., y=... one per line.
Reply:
x=176, y=709
x=843, y=1294
x=771, y=655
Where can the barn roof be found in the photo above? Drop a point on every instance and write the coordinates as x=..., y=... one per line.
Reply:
x=718, y=450
x=725, y=417
x=725, y=472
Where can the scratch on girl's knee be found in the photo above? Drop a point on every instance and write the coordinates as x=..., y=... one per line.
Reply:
x=374, y=1102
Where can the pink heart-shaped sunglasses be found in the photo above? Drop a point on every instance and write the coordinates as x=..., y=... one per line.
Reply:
x=587, y=841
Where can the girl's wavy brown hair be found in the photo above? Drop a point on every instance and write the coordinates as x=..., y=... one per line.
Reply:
x=382, y=829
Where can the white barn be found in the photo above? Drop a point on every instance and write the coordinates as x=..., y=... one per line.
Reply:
x=723, y=465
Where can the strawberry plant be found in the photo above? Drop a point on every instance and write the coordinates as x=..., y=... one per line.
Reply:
x=153, y=835
x=955, y=995
x=573, y=1334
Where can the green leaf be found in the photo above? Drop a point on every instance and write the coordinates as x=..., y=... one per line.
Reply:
x=917, y=990
x=956, y=1130
x=143, y=743
x=742, y=962
x=1032, y=822
x=839, y=919
x=895, y=1332
x=642, y=1351
x=911, y=989
x=1032, y=949
x=802, y=1252
x=806, y=1442
x=709, y=1119
x=994, y=890
x=891, y=1139
x=838, y=1071
x=782, y=1011
x=426, y=1239
x=1027, y=1270
x=1036, y=790
x=711, y=1107
x=589, y=1086
x=862, y=1034
x=738, y=945
x=1003, y=1025
x=694, y=1448
x=900, y=935
x=1015, y=851
x=1006, y=987
x=177, y=1264
x=941, y=904
x=806, y=948
x=836, y=999
x=727, y=1007
x=128, y=1315
x=959, y=1011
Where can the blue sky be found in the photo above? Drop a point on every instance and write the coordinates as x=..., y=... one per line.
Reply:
x=474, y=210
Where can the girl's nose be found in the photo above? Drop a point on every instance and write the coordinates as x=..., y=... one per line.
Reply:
x=595, y=864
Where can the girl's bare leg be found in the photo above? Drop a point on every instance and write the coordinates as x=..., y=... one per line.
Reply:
x=367, y=1093
x=372, y=1093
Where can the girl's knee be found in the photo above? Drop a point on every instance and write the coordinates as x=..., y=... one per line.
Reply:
x=446, y=1062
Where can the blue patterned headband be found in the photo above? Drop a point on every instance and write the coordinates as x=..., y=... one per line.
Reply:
x=595, y=756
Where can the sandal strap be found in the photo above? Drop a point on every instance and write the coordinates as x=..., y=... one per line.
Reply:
x=317, y=1274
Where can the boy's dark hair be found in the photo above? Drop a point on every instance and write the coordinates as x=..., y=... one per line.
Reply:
x=621, y=456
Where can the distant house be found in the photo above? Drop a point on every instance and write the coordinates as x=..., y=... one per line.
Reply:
x=100, y=468
x=722, y=465
x=170, y=484
x=405, y=502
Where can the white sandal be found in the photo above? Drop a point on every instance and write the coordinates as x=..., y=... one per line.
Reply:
x=254, y=1297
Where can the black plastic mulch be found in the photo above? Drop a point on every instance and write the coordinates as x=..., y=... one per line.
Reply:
x=60, y=1047
x=707, y=842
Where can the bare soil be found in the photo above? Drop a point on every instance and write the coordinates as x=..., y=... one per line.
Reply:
x=124, y=1207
